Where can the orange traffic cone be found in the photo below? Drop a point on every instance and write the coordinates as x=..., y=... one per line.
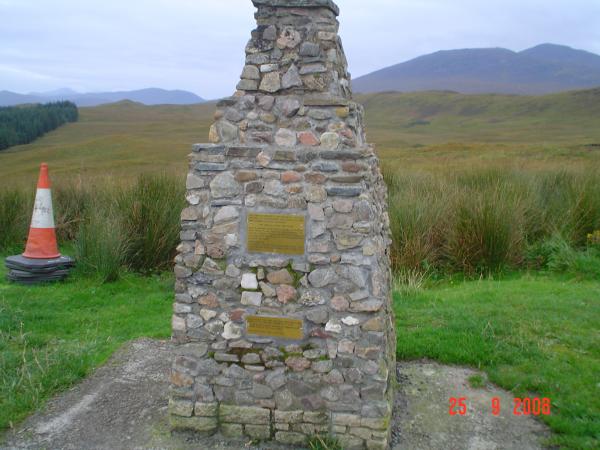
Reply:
x=41, y=243
x=41, y=261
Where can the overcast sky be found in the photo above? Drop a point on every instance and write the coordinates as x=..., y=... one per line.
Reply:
x=198, y=45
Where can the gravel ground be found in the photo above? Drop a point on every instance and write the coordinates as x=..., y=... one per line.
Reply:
x=123, y=406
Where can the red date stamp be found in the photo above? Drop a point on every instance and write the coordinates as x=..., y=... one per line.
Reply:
x=520, y=407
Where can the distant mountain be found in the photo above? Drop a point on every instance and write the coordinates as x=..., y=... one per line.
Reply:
x=152, y=96
x=544, y=69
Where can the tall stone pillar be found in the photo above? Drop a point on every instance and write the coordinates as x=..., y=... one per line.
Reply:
x=282, y=313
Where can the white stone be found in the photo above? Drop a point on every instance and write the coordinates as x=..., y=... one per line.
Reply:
x=251, y=298
x=231, y=331
x=330, y=140
x=231, y=240
x=226, y=214
x=194, y=182
x=224, y=317
x=178, y=323
x=249, y=281
x=285, y=137
x=274, y=188
x=333, y=326
x=207, y=314
x=266, y=68
x=350, y=321
x=224, y=185
x=264, y=159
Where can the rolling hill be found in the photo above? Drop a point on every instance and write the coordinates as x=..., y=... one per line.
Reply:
x=408, y=130
x=151, y=96
x=547, y=68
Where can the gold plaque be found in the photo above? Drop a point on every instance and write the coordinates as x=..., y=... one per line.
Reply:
x=276, y=233
x=275, y=327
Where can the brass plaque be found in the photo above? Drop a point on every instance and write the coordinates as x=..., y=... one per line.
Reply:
x=276, y=233
x=275, y=327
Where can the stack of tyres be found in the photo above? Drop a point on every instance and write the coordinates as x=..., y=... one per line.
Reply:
x=31, y=271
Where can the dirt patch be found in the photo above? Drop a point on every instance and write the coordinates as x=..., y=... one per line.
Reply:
x=423, y=421
x=124, y=405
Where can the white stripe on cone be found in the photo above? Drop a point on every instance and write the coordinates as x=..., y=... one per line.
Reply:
x=43, y=216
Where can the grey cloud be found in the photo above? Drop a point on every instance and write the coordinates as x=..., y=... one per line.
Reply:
x=198, y=44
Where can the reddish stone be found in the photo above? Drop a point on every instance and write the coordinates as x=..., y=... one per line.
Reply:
x=294, y=189
x=245, y=175
x=368, y=352
x=181, y=379
x=347, y=133
x=280, y=277
x=352, y=167
x=297, y=363
x=308, y=138
x=209, y=300
x=286, y=294
x=320, y=333
x=290, y=177
x=340, y=303
x=216, y=251
x=375, y=324
x=315, y=178
x=237, y=315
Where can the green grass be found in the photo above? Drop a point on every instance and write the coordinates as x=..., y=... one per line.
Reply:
x=534, y=335
x=323, y=443
x=54, y=335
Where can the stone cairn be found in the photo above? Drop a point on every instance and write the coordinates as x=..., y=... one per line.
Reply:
x=283, y=314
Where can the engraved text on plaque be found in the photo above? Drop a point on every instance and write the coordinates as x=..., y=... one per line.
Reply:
x=275, y=327
x=276, y=233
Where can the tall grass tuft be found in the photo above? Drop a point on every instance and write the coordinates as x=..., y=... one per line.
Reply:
x=478, y=221
x=417, y=220
x=100, y=245
x=486, y=230
x=15, y=215
x=71, y=203
x=150, y=212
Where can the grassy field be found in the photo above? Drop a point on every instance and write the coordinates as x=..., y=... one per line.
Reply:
x=534, y=335
x=447, y=131
x=423, y=131
x=117, y=141
x=52, y=336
